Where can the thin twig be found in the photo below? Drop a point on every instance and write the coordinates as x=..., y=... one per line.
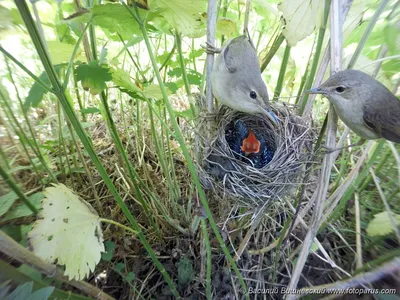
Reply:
x=246, y=17
x=15, y=251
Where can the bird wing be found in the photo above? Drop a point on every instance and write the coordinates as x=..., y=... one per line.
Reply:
x=238, y=52
x=384, y=121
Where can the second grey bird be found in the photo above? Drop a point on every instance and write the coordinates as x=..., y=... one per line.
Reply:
x=364, y=104
x=236, y=78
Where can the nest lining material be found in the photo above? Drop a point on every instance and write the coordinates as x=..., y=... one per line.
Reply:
x=218, y=168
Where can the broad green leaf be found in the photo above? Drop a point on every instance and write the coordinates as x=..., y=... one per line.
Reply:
x=5, y=18
x=68, y=232
x=6, y=201
x=36, y=93
x=153, y=91
x=64, y=33
x=182, y=15
x=299, y=18
x=265, y=9
x=61, y=52
x=186, y=114
x=24, y=291
x=90, y=110
x=122, y=79
x=119, y=267
x=30, y=272
x=22, y=210
x=353, y=18
x=381, y=224
x=130, y=277
x=392, y=36
x=115, y=18
x=93, y=76
x=108, y=254
x=226, y=27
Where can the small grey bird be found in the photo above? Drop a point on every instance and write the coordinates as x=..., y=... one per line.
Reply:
x=236, y=78
x=364, y=104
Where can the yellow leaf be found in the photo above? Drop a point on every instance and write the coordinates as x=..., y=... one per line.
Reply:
x=382, y=224
x=226, y=27
x=68, y=232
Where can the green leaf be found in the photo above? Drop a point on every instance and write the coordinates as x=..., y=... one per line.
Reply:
x=108, y=254
x=353, y=19
x=68, y=232
x=22, y=291
x=153, y=91
x=122, y=79
x=392, y=36
x=186, y=114
x=226, y=27
x=194, y=77
x=381, y=224
x=30, y=272
x=119, y=267
x=265, y=9
x=90, y=110
x=64, y=34
x=182, y=15
x=130, y=277
x=37, y=92
x=299, y=18
x=185, y=271
x=113, y=19
x=22, y=210
x=5, y=18
x=42, y=294
x=93, y=76
x=61, y=52
x=6, y=201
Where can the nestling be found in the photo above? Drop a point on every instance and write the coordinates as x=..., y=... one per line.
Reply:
x=236, y=78
x=248, y=146
x=364, y=104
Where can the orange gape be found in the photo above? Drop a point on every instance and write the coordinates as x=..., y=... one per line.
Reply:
x=251, y=144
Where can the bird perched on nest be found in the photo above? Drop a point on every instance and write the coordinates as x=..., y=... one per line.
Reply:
x=247, y=146
x=236, y=78
x=364, y=104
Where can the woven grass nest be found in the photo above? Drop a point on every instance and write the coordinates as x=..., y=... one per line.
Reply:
x=223, y=170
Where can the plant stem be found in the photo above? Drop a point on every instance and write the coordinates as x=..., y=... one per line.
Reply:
x=69, y=111
x=118, y=224
x=282, y=71
x=186, y=154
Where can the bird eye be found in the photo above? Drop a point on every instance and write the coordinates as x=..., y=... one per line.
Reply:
x=253, y=95
x=340, y=89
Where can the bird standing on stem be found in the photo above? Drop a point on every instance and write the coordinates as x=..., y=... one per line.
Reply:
x=364, y=104
x=236, y=78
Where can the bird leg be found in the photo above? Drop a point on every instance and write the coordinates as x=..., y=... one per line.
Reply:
x=330, y=150
x=210, y=49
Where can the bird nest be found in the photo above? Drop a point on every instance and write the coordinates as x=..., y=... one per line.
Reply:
x=251, y=183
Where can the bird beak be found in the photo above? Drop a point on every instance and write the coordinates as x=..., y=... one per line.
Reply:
x=271, y=116
x=317, y=90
